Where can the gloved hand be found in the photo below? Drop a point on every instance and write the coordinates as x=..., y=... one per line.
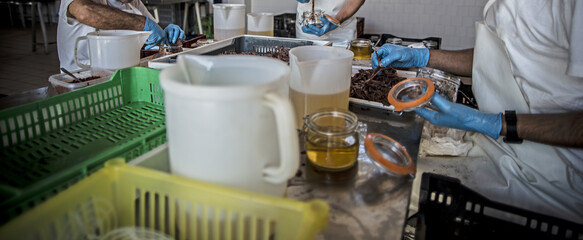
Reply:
x=158, y=35
x=174, y=32
x=461, y=117
x=303, y=1
x=399, y=56
x=327, y=27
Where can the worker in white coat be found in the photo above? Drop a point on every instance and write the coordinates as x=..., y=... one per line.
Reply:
x=340, y=25
x=527, y=78
x=79, y=17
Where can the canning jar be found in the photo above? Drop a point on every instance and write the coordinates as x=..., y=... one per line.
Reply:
x=332, y=139
x=312, y=18
x=394, y=41
x=362, y=48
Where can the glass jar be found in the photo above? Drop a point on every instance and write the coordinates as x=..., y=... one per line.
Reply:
x=312, y=18
x=362, y=48
x=430, y=44
x=394, y=41
x=332, y=139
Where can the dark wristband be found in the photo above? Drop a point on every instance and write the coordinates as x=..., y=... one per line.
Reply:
x=511, y=129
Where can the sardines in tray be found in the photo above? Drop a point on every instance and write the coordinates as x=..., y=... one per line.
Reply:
x=372, y=90
x=244, y=44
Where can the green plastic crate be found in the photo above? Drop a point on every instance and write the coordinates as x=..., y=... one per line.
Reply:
x=48, y=145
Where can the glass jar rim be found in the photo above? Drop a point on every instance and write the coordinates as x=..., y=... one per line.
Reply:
x=350, y=121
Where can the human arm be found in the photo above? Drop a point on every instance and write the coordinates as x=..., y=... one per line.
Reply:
x=104, y=17
x=347, y=11
x=456, y=62
x=564, y=129
x=561, y=129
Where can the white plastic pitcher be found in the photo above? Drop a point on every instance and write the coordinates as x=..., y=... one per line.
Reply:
x=260, y=24
x=228, y=20
x=112, y=49
x=320, y=78
x=229, y=123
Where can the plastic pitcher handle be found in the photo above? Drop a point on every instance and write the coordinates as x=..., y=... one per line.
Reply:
x=75, y=56
x=288, y=140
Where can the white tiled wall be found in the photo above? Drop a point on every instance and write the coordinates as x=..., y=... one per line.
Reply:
x=452, y=20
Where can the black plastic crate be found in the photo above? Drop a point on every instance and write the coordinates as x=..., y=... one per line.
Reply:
x=284, y=25
x=465, y=96
x=449, y=210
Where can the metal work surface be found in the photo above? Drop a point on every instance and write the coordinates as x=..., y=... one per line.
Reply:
x=365, y=201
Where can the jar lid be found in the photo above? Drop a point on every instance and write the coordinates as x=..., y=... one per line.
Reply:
x=411, y=93
x=333, y=20
x=389, y=154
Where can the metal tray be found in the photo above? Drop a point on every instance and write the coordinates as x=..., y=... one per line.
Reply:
x=239, y=44
x=400, y=73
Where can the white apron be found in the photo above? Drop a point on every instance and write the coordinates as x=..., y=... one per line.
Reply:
x=330, y=7
x=530, y=175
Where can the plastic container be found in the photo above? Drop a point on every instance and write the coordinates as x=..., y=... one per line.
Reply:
x=63, y=83
x=449, y=210
x=260, y=24
x=50, y=144
x=320, y=78
x=127, y=196
x=228, y=20
x=446, y=84
x=247, y=138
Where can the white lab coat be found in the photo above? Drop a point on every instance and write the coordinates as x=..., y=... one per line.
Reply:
x=69, y=29
x=331, y=7
x=528, y=58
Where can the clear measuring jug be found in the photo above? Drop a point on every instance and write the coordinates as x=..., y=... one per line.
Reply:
x=320, y=78
x=228, y=20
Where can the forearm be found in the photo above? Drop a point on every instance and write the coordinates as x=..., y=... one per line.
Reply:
x=104, y=17
x=555, y=129
x=455, y=62
x=349, y=9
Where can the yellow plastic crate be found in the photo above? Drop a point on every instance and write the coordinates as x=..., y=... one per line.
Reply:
x=120, y=195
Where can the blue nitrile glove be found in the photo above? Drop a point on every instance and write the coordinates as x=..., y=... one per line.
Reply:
x=327, y=27
x=174, y=32
x=303, y=1
x=399, y=56
x=461, y=117
x=158, y=35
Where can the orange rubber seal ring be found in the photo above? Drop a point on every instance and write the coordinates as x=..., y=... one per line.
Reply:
x=333, y=20
x=375, y=155
x=399, y=105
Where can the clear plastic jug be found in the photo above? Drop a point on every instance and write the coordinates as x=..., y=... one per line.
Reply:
x=112, y=49
x=260, y=24
x=229, y=121
x=228, y=20
x=320, y=78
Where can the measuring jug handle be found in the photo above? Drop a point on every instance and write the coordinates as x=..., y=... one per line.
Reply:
x=288, y=140
x=75, y=56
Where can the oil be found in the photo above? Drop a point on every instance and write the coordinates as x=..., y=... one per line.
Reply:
x=361, y=50
x=304, y=103
x=332, y=153
x=261, y=33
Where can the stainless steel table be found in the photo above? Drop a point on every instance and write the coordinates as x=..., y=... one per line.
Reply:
x=365, y=201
